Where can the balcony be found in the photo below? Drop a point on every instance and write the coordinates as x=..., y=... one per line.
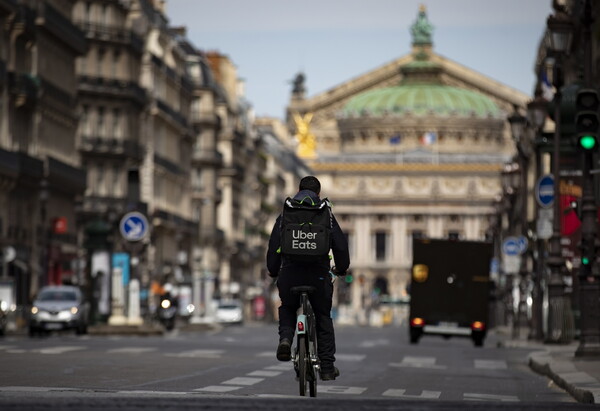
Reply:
x=168, y=165
x=112, y=34
x=114, y=147
x=207, y=158
x=205, y=118
x=172, y=113
x=113, y=88
x=24, y=87
x=62, y=28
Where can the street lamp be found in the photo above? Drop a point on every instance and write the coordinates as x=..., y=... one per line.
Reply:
x=536, y=117
x=560, y=29
x=510, y=181
x=517, y=126
x=43, y=198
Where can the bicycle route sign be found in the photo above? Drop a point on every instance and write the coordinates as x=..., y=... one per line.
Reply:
x=134, y=226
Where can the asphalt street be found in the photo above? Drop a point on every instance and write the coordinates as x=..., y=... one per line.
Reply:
x=235, y=368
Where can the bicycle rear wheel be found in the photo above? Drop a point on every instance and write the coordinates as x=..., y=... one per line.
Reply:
x=302, y=363
x=312, y=343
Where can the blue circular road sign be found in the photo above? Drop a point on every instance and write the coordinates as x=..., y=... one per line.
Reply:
x=134, y=226
x=512, y=246
x=544, y=190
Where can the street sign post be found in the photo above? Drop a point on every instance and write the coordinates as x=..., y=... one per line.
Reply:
x=544, y=191
x=134, y=226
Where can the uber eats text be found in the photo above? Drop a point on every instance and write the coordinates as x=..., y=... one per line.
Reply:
x=301, y=240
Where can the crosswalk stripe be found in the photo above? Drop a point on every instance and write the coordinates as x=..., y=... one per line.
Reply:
x=490, y=364
x=418, y=362
x=218, y=388
x=243, y=381
x=489, y=397
x=58, y=350
x=264, y=373
x=197, y=354
x=131, y=350
x=393, y=392
x=337, y=389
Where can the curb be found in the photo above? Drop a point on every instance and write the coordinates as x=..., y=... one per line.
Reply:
x=542, y=366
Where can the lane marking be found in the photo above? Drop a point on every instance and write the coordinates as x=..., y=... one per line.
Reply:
x=489, y=397
x=393, y=392
x=218, y=388
x=374, y=343
x=281, y=367
x=131, y=350
x=418, y=362
x=58, y=350
x=338, y=389
x=491, y=364
x=264, y=373
x=350, y=357
x=243, y=381
x=197, y=354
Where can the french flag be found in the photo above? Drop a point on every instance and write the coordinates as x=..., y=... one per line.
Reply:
x=428, y=138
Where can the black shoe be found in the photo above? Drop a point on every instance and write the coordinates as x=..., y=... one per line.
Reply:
x=330, y=375
x=284, y=350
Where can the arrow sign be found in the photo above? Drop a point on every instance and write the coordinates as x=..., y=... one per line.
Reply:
x=513, y=246
x=134, y=226
x=544, y=190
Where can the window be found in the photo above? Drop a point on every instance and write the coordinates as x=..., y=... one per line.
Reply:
x=99, y=63
x=116, y=124
x=101, y=132
x=114, y=72
x=380, y=245
x=99, y=180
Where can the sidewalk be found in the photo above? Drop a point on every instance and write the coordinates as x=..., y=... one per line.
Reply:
x=580, y=377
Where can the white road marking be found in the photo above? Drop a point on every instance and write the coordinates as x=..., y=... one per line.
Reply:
x=243, y=381
x=401, y=393
x=281, y=367
x=7, y=347
x=418, y=362
x=16, y=351
x=489, y=397
x=491, y=364
x=58, y=350
x=266, y=354
x=197, y=354
x=374, y=343
x=337, y=389
x=264, y=373
x=132, y=350
x=218, y=388
x=350, y=357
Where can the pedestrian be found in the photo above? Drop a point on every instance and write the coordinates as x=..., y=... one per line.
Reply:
x=291, y=273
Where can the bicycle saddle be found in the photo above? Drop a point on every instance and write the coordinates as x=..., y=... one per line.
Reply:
x=302, y=289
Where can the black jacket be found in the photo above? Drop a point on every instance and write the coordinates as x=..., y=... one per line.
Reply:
x=339, y=245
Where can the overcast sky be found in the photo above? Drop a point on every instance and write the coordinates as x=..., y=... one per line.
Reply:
x=332, y=41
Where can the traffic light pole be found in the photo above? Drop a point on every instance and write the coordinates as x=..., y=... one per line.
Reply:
x=589, y=286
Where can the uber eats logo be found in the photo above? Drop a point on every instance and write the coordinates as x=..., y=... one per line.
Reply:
x=303, y=240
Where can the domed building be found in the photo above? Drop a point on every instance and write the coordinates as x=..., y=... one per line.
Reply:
x=413, y=148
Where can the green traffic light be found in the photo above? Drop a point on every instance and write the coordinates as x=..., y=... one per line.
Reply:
x=587, y=142
x=348, y=278
x=585, y=261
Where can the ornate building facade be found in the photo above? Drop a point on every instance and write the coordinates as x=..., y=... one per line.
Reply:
x=413, y=148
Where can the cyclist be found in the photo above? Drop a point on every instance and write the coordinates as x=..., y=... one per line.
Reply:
x=292, y=273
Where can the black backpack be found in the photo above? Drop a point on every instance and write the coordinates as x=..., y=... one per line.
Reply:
x=305, y=229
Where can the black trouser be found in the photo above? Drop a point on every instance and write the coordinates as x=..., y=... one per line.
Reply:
x=320, y=299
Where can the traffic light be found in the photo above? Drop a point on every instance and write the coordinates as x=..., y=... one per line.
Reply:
x=587, y=119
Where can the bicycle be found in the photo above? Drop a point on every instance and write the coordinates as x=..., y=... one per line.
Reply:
x=305, y=358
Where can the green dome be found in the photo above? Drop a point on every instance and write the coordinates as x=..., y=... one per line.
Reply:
x=422, y=100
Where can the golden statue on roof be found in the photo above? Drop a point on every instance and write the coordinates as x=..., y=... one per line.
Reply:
x=306, y=139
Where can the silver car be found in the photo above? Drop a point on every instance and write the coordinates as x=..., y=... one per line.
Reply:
x=59, y=308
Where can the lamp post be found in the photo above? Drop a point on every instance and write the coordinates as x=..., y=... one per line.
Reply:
x=510, y=181
x=44, y=244
x=517, y=126
x=560, y=28
x=536, y=117
x=589, y=341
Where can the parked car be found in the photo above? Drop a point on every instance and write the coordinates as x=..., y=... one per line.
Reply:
x=59, y=308
x=230, y=312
